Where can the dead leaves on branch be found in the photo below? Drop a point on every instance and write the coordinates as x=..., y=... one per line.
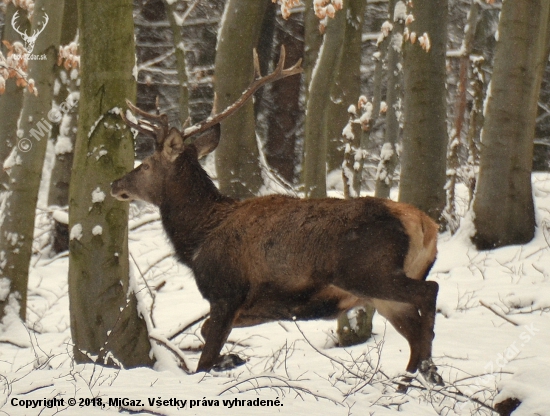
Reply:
x=15, y=66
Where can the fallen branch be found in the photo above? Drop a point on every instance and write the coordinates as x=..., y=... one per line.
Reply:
x=174, y=350
x=497, y=313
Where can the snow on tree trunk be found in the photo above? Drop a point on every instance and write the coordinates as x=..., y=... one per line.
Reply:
x=105, y=325
x=64, y=132
x=315, y=146
x=11, y=101
x=237, y=156
x=175, y=25
x=388, y=154
x=26, y=162
x=423, y=159
x=503, y=204
x=346, y=86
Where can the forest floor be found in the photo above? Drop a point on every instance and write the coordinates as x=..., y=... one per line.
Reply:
x=492, y=336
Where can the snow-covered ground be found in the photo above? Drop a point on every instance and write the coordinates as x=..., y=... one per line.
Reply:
x=492, y=337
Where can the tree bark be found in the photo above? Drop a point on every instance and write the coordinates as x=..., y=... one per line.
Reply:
x=105, y=325
x=316, y=143
x=283, y=117
x=66, y=130
x=423, y=159
x=388, y=156
x=181, y=67
x=347, y=87
x=11, y=101
x=503, y=205
x=237, y=156
x=27, y=161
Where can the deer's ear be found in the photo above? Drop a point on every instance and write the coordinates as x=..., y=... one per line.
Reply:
x=173, y=145
x=208, y=140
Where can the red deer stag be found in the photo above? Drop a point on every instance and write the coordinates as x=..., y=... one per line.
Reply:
x=281, y=258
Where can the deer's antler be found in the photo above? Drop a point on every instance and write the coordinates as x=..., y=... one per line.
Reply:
x=156, y=125
x=277, y=74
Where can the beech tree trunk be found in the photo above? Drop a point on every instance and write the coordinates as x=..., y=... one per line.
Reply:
x=347, y=86
x=17, y=229
x=105, y=325
x=423, y=159
x=11, y=101
x=316, y=141
x=237, y=156
x=503, y=203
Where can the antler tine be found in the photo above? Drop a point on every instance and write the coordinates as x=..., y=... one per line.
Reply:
x=257, y=72
x=137, y=126
x=159, y=118
x=277, y=74
x=148, y=126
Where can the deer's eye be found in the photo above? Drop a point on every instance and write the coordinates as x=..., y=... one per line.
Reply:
x=145, y=167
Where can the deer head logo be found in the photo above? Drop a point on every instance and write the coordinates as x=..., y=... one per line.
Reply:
x=29, y=40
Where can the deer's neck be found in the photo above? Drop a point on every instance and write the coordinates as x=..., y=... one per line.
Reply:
x=192, y=207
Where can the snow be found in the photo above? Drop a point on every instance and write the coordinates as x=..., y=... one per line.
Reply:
x=61, y=216
x=480, y=355
x=400, y=11
x=98, y=195
x=97, y=230
x=76, y=232
x=63, y=144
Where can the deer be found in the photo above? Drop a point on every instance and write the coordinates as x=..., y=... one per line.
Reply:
x=281, y=257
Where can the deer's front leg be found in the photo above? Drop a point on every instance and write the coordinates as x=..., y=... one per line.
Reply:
x=215, y=332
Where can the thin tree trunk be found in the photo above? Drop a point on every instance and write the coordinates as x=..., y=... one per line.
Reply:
x=388, y=155
x=105, y=325
x=450, y=216
x=27, y=162
x=503, y=205
x=423, y=159
x=313, y=39
x=237, y=156
x=66, y=129
x=181, y=67
x=347, y=87
x=315, y=147
x=11, y=101
x=284, y=114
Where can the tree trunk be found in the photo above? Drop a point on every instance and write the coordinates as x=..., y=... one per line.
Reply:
x=66, y=129
x=347, y=87
x=27, y=161
x=423, y=159
x=315, y=146
x=503, y=205
x=388, y=156
x=11, y=101
x=283, y=117
x=313, y=40
x=105, y=325
x=237, y=157
x=177, y=38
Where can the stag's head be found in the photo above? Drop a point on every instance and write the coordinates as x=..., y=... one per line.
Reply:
x=173, y=147
x=30, y=40
x=149, y=181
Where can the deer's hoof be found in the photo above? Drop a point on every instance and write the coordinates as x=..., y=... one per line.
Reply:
x=228, y=362
x=429, y=372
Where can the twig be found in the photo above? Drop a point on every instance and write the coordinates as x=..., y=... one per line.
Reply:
x=175, y=350
x=497, y=313
x=189, y=325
